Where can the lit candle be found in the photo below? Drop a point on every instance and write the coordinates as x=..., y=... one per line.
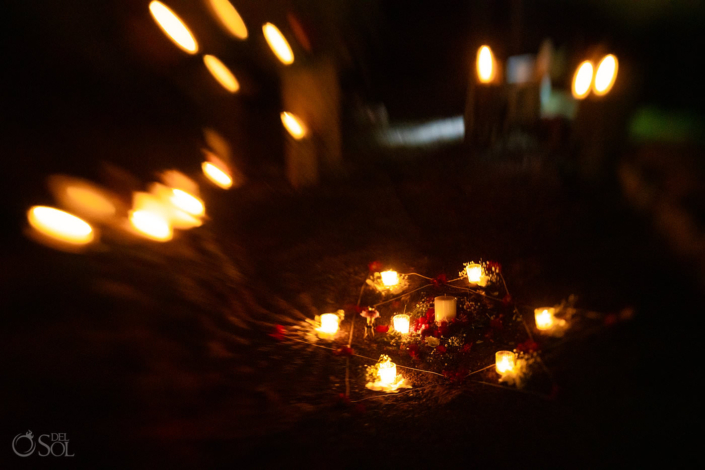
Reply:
x=329, y=323
x=485, y=65
x=59, y=225
x=387, y=372
x=504, y=361
x=445, y=308
x=544, y=318
x=390, y=278
x=401, y=323
x=474, y=272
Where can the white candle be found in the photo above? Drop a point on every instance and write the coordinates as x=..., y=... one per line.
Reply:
x=445, y=308
x=401, y=323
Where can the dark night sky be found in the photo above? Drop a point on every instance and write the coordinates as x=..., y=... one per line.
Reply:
x=78, y=68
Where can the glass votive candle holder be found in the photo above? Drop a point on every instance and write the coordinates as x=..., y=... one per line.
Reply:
x=329, y=323
x=390, y=278
x=401, y=323
x=504, y=361
x=544, y=318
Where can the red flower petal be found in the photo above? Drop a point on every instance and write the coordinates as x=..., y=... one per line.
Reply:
x=382, y=328
x=343, y=351
x=375, y=266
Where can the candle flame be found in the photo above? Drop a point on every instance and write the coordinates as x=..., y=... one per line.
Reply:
x=187, y=202
x=401, y=323
x=505, y=361
x=544, y=318
x=278, y=43
x=173, y=27
x=229, y=18
x=474, y=272
x=390, y=278
x=582, y=80
x=329, y=323
x=221, y=73
x=216, y=175
x=606, y=75
x=387, y=372
x=294, y=125
x=151, y=225
x=485, y=64
x=59, y=225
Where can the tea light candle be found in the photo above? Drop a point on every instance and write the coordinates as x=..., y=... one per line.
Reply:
x=329, y=323
x=445, y=308
x=401, y=323
x=390, y=278
x=387, y=373
x=505, y=361
x=474, y=272
x=544, y=318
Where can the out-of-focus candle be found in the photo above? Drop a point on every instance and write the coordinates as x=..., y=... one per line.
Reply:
x=329, y=323
x=401, y=323
x=217, y=176
x=387, y=372
x=390, y=278
x=445, y=308
x=544, y=318
x=505, y=361
x=59, y=225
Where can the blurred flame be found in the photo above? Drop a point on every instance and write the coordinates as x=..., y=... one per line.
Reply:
x=221, y=73
x=151, y=225
x=294, y=125
x=216, y=175
x=174, y=204
x=606, y=75
x=187, y=202
x=278, y=43
x=485, y=64
x=582, y=80
x=59, y=225
x=82, y=197
x=173, y=27
x=92, y=201
x=229, y=18
x=150, y=217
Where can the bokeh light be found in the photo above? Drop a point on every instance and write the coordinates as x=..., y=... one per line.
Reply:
x=216, y=175
x=173, y=27
x=187, y=202
x=606, y=75
x=229, y=18
x=485, y=64
x=82, y=197
x=294, y=125
x=582, y=80
x=221, y=73
x=151, y=225
x=278, y=43
x=59, y=225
